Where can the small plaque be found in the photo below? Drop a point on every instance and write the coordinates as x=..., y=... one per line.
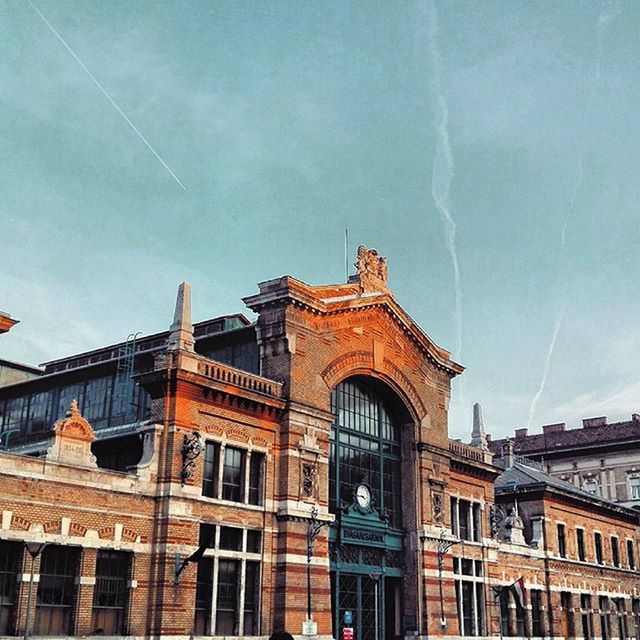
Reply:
x=309, y=628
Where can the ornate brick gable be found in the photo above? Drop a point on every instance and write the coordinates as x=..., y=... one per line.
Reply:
x=73, y=438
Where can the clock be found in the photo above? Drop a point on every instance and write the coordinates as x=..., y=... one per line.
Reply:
x=363, y=496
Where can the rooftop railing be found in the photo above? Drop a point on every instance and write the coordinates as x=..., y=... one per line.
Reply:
x=230, y=375
x=466, y=451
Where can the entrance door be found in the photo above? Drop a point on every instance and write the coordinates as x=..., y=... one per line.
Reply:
x=371, y=602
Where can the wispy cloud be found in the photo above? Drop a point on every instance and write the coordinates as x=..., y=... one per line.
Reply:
x=547, y=367
x=616, y=404
x=603, y=20
x=444, y=167
x=106, y=94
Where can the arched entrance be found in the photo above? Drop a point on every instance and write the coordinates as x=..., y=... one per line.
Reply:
x=365, y=493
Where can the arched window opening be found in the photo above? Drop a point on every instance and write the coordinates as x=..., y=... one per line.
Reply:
x=365, y=448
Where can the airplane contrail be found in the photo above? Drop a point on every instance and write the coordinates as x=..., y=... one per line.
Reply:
x=547, y=367
x=106, y=95
x=603, y=20
x=444, y=169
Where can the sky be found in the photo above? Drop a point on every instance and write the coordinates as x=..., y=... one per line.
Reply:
x=490, y=150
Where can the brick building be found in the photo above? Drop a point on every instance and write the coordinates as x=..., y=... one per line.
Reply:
x=186, y=471
x=600, y=457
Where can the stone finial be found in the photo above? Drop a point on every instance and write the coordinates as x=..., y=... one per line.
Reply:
x=181, y=330
x=73, y=410
x=478, y=435
x=371, y=270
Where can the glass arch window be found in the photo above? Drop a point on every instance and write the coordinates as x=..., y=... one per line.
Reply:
x=365, y=447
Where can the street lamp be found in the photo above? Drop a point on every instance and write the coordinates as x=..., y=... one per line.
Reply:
x=34, y=549
x=443, y=546
x=313, y=529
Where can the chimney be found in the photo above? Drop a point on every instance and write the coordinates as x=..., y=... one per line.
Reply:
x=553, y=428
x=181, y=331
x=478, y=435
x=508, y=454
x=589, y=423
x=521, y=433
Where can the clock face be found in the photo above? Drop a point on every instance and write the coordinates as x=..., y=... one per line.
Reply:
x=363, y=496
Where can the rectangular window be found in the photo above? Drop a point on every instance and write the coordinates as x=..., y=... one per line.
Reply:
x=210, y=471
x=580, y=544
x=40, y=412
x=110, y=594
x=256, y=466
x=227, y=598
x=585, y=606
x=10, y=557
x=454, y=516
x=233, y=475
x=615, y=552
x=566, y=603
x=536, y=613
x=597, y=540
x=631, y=556
x=477, y=522
x=230, y=539
x=562, y=542
x=464, y=523
x=504, y=613
x=97, y=401
x=55, y=600
x=622, y=618
x=207, y=536
x=66, y=395
x=254, y=541
x=15, y=419
x=635, y=608
x=204, y=594
x=251, y=598
x=605, y=627
x=469, y=596
x=634, y=488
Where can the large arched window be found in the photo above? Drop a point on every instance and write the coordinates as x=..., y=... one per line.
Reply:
x=365, y=447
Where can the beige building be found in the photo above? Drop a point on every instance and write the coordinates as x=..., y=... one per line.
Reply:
x=600, y=457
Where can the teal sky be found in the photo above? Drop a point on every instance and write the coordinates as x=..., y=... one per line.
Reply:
x=289, y=121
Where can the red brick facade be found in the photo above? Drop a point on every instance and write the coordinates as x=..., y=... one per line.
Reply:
x=311, y=339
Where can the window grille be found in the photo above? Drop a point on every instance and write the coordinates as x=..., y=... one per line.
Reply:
x=110, y=594
x=56, y=594
x=10, y=558
x=227, y=598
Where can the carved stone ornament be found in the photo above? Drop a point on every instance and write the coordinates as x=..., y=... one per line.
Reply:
x=73, y=438
x=308, y=479
x=436, y=506
x=497, y=515
x=371, y=270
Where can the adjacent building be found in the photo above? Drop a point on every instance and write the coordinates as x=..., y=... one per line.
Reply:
x=601, y=458
x=232, y=478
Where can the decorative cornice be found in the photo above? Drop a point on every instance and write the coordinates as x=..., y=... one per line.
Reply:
x=289, y=291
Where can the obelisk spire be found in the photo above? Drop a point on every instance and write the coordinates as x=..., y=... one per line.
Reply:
x=478, y=435
x=181, y=331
